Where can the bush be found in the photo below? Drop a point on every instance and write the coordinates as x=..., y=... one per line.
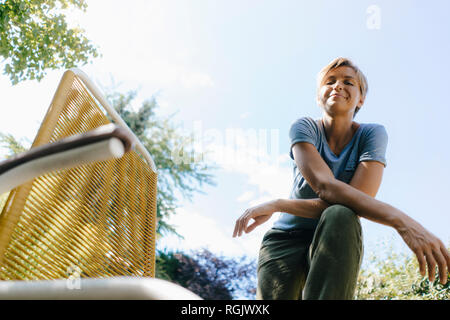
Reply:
x=397, y=277
x=210, y=276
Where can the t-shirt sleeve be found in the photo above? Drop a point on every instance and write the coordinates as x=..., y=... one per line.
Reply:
x=374, y=145
x=303, y=130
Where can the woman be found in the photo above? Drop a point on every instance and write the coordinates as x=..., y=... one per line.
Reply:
x=314, y=250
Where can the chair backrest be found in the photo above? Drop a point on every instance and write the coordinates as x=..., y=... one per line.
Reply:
x=96, y=220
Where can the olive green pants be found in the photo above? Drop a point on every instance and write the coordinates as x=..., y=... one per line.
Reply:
x=312, y=264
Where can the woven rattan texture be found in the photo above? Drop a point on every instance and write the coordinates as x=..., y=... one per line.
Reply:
x=96, y=220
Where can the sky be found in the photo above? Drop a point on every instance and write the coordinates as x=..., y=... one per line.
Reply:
x=238, y=73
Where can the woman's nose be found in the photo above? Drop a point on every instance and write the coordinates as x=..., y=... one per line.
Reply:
x=338, y=85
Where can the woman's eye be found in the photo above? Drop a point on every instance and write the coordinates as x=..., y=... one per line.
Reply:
x=346, y=82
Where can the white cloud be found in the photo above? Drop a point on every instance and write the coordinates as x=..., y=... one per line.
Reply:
x=246, y=196
x=144, y=44
x=244, y=115
x=247, y=152
x=202, y=231
x=25, y=104
x=195, y=80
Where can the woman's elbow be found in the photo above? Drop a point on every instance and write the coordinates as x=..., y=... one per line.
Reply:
x=326, y=190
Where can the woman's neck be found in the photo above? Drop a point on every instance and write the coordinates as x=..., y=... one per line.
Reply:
x=339, y=131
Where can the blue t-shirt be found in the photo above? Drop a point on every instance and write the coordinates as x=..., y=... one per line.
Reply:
x=369, y=143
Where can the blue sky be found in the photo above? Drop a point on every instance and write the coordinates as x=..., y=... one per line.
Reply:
x=251, y=66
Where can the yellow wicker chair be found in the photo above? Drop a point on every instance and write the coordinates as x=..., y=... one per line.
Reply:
x=80, y=219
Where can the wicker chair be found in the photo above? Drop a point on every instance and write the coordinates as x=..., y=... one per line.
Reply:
x=80, y=218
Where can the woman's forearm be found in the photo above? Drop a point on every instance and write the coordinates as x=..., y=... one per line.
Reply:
x=306, y=208
x=338, y=192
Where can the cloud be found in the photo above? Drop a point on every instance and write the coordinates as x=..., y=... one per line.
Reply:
x=253, y=153
x=202, y=231
x=244, y=115
x=195, y=80
x=246, y=196
x=144, y=44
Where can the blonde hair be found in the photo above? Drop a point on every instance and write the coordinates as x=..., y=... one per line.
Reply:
x=341, y=62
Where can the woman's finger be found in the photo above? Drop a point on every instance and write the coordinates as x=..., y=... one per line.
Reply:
x=236, y=227
x=431, y=262
x=239, y=227
x=422, y=262
x=442, y=264
x=442, y=267
x=244, y=222
x=445, y=253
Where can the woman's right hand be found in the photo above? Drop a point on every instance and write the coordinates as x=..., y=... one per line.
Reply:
x=260, y=214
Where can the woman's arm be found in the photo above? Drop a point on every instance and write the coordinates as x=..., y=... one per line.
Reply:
x=319, y=176
x=428, y=248
x=306, y=208
x=367, y=178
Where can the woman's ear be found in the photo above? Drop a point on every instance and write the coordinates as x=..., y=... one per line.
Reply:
x=361, y=102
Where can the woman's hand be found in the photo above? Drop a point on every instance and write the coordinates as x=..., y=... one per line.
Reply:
x=429, y=250
x=260, y=214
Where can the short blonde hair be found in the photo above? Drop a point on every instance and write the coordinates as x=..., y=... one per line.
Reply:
x=341, y=62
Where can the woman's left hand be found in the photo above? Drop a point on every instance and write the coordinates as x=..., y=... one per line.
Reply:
x=260, y=214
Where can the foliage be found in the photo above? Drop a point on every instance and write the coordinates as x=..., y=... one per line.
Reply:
x=34, y=37
x=162, y=140
x=397, y=277
x=13, y=145
x=210, y=276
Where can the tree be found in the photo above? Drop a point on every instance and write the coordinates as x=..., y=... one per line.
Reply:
x=210, y=276
x=13, y=145
x=162, y=140
x=35, y=37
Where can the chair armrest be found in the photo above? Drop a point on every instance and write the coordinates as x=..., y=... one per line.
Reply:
x=103, y=143
x=116, y=288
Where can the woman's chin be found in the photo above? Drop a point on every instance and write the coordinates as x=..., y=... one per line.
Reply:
x=335, y=106
x=335, y=109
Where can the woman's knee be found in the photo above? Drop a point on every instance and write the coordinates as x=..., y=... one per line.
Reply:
x=338, y=230
x=339, y=215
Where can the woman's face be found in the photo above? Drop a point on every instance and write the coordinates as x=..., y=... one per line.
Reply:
x=339, y=91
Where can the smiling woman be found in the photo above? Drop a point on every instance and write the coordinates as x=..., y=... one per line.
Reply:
x=350, y=74
x=314, y=250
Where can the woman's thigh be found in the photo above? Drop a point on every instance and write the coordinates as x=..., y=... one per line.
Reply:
x=283, y=265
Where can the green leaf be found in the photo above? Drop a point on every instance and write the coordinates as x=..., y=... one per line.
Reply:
x=34, y=34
